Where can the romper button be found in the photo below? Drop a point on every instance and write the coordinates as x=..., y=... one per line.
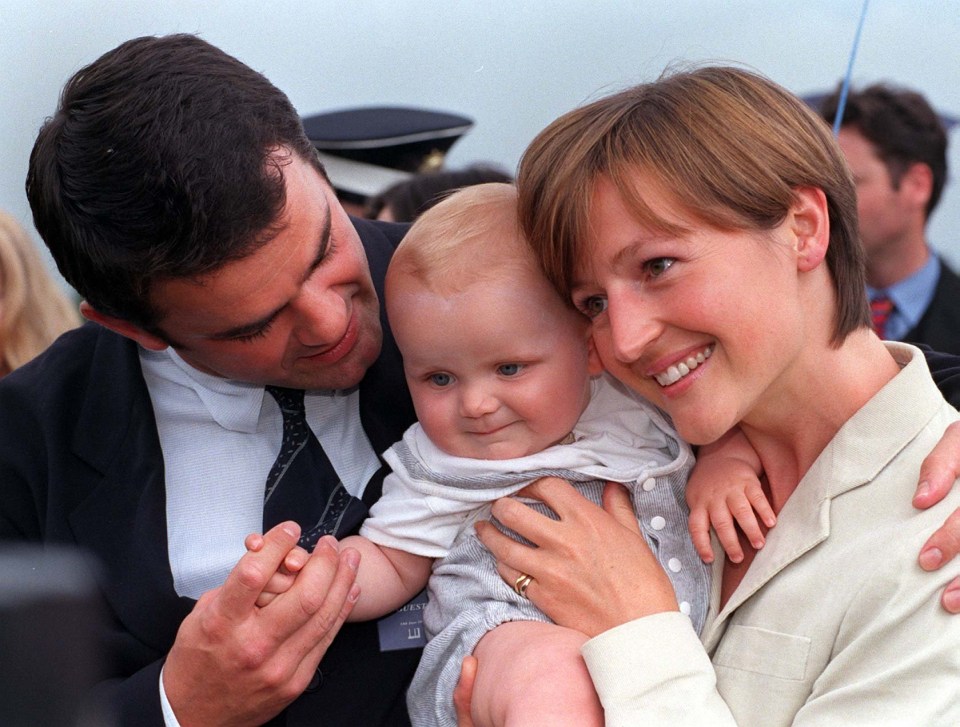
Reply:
x=674, y=564
x=649, y=484
x=658, y=523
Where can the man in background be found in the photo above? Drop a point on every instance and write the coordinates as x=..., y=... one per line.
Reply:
x=895, y=145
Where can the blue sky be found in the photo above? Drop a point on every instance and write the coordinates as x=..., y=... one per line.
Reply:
x=512, y=65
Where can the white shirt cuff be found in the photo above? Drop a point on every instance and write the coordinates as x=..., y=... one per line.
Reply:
x=169, y=719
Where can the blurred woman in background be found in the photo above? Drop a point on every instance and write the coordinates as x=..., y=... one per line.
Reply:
x=34, y=309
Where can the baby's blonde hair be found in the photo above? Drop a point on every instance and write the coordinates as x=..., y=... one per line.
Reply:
x=471, y=235
x=34, y=310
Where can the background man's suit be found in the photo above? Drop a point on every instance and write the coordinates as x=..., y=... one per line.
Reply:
x=939, y=327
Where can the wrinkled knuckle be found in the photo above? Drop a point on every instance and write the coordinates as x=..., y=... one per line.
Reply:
x=275, y=678
x=310, y=601
x=214, y=628
x=325, y=621
x=949, y=538
x=249, y=574
x=721, y=518
x=753, y=488
x=252, y=654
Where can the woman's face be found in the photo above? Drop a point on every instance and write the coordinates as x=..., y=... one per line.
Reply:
x=704, y=325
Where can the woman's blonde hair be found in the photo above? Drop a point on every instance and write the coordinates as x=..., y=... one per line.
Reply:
x=34, y=310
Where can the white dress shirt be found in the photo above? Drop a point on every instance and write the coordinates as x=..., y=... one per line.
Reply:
x=219, y=439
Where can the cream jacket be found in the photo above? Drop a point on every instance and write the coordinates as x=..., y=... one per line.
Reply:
x=834, y=622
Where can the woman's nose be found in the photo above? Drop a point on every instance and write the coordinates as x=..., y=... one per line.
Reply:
x=632, y=325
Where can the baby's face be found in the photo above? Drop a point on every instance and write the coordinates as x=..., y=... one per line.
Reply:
x=498, y=369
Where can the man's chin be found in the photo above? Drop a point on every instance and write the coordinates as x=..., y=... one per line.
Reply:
x=346, y=374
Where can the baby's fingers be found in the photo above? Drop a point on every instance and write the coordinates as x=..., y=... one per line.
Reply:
x=742, y=511
x=722, y=521
x=280, y=582
x=699, y=525
x=761, y=505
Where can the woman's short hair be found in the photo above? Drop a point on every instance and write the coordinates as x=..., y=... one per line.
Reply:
x=728, y=145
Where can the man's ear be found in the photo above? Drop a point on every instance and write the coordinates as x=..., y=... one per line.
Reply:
x=594, y=364
x=916, y=184
x=810, y=224
x=149, y=341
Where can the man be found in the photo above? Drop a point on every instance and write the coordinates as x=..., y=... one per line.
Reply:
x=895, y=145
x=179, y=195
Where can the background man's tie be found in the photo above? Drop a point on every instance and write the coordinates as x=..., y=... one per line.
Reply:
x=302, y=484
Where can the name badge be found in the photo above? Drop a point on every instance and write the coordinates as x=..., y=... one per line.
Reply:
x=403, y=629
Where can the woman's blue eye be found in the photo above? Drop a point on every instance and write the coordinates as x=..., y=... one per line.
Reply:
x=511, y=369
x=441, y=379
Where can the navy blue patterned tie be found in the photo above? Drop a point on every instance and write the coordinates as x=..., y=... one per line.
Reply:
x=302, y=484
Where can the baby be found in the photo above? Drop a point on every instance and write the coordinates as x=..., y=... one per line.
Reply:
x=507, y=389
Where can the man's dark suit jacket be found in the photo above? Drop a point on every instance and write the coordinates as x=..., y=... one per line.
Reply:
x=80, y=464
x=939, y=328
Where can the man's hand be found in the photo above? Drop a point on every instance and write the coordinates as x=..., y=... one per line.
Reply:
x=234, y=663
x=938, y=473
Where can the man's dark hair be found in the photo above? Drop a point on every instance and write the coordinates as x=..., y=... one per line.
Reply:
x=903, y=128
x=161, y=162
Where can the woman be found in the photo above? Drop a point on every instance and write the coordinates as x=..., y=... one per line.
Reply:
x=33, y=309
x=709, y=218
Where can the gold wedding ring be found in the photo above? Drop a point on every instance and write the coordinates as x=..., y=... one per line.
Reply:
x=521, y=584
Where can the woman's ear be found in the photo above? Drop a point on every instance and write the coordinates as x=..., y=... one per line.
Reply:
x=810, y=224
x=149, y=341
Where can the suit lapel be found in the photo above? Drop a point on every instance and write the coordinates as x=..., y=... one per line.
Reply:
x=385, y=406
x=122, y=519
x=865, y=444
x=803, y=524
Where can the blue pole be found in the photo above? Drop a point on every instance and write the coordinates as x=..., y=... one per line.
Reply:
x=845, y=88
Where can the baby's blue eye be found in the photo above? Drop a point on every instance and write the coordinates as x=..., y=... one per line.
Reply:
x=441, y=379
x=511, y=369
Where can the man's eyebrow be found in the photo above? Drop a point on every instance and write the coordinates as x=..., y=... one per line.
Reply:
x=249, y=329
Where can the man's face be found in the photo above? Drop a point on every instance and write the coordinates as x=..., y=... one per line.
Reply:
x=301, y=311
x=884, y=212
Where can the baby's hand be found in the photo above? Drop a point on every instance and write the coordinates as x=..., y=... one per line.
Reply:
x=724, y=491
x=282, y=580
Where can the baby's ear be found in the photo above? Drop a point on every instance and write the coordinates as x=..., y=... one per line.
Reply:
x=594, y=364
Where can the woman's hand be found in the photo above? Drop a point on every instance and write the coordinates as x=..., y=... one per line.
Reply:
x=592, y=569
x=938, y=473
